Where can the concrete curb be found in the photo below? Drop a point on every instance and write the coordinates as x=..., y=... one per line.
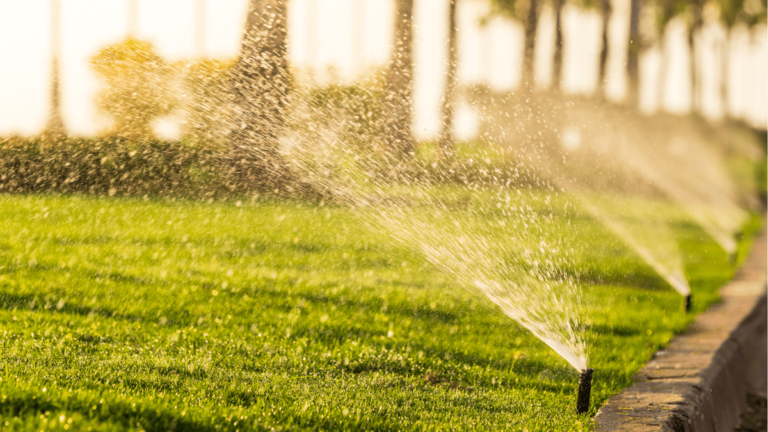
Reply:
x=700, y=381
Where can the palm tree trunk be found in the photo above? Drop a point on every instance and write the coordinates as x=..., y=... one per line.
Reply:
x=260, y=87
x=606, y=9
x=694, y=70
x=530, y=45
x=724, y=73
x=55, y=126
x=633, y=52
x=663, y=66
x=446, y=133
x=399, y=87
x=557, y=63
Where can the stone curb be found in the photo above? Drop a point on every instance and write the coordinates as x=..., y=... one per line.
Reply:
x=700, y=381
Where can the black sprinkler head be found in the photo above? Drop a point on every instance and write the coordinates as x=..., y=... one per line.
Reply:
x=688, y=303
x=585, y=389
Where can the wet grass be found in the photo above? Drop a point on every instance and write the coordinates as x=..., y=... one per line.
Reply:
x=125, y=314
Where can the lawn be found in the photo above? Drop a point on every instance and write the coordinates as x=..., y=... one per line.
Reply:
x=162, y=314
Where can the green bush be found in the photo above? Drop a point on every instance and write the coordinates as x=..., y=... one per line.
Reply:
x=109, y=166
x=115, y=166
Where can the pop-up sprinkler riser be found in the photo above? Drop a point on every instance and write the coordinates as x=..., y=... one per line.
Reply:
x=585, y=390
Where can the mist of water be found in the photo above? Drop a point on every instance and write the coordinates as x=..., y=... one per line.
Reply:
x=717, y=215
x=582, y=151
x=650, y=237
x=705, y=191
x=478, y=223
x=506, y=246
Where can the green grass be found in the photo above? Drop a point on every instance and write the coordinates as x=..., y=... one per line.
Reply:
x=125, y=314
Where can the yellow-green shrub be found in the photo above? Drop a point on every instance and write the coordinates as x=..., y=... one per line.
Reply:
x=137, y=87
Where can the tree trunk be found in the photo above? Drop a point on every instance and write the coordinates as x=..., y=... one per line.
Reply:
x=663, y=66
x=530, y=44
x=446, y=134
x=724, y=73
x=633, y=52
x=55, y=126
x=260, y=88
x=606, y=9
x=695, y=27
x=557, y=63
x=399, y=88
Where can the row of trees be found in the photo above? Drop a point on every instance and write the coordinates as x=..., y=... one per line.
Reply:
x=261, y=83
x=263, y=57
x=732, y=13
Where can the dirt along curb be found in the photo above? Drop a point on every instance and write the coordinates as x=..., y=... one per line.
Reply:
x=701, y=380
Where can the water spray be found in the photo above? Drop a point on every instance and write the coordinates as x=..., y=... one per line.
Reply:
x=585, y=390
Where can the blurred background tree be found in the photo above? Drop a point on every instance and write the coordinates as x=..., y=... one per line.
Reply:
x=665, y=11
x=55, y=126
x=634, y=46
x=260, y=88
x=449, y=92
x=557, y=60
x=137, y=87
x=529, y=9
x=397, y=115
x=733, y=13
x=606, y=9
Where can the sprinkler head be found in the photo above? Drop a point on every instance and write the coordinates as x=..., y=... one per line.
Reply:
x=585, y=389
x=688, y=303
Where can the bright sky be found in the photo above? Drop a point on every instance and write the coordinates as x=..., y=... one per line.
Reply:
x=341, y=38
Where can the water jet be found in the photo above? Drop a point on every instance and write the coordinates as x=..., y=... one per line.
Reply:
x=485, y=233
x=585, y=390
x=651, y=239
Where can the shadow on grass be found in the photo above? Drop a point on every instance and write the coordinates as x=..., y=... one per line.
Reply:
x=151, y=417
x=12, y=301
